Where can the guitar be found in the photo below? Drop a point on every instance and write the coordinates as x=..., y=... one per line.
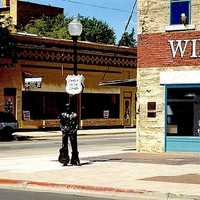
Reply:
x=63, y=156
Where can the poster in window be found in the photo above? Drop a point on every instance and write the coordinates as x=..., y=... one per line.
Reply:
x=106, y=114
x=26, y=115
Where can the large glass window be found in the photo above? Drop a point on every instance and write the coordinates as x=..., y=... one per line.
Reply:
x=48, y=105
x=44, y=105
x=178, y=8
x=183, y=112
x=99, y=106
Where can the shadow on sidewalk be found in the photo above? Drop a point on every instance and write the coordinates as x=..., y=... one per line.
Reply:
x=15, y=138
x=151, y=158
x=20, y=138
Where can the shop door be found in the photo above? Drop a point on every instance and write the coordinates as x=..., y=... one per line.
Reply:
x=127, y=111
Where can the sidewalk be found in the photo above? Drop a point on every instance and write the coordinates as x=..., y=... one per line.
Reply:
x=107, y=173
x=80, y=132
x=126, y=175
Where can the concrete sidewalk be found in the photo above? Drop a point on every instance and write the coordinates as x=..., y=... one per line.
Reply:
x=122, y=175
x=80, y=132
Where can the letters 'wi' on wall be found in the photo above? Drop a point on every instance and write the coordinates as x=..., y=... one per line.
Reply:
x=169, y=50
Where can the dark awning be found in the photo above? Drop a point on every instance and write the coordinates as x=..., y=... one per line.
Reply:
x=125, y=82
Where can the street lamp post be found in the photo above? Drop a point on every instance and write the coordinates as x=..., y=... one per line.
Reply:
x=69, y=120
x=75, y=30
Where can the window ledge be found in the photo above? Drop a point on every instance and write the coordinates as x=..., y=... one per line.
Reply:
x=179, y=27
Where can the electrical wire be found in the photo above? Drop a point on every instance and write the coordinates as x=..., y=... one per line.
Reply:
x=131, y=15
x=97, y=6
x=121, y=10
x=125, y=29
x=128, y=22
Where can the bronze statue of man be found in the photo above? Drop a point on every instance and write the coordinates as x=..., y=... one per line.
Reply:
x=69, y=127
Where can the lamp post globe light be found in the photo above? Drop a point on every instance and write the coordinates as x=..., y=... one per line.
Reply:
x=75, y=27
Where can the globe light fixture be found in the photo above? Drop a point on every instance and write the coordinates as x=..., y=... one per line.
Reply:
x=75, y=28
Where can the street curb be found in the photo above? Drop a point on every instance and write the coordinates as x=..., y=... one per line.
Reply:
x=14, y=182
x=53, y=187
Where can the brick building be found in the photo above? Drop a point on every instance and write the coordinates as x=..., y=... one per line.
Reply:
x=22, y=12
x=110, y=76
x=168, y=76
x=108, y=99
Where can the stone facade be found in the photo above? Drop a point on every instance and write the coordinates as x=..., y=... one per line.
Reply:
x=150, y=130
x=154, y=15
x=155, y=56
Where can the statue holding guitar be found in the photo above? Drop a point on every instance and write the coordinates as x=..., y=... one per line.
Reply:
x=69, y=127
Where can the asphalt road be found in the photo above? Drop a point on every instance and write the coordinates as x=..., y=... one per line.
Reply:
x=6, y=194
x=91, y=143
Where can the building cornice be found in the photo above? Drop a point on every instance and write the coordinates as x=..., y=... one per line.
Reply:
x=38, y=40
x=61, y=51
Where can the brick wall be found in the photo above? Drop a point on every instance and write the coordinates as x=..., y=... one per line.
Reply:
x=27, y=11
x=154, y=50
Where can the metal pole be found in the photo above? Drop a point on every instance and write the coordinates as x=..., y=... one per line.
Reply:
x=75, y=54
x=77, y=98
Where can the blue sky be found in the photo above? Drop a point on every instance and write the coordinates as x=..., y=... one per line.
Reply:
x=115, y=18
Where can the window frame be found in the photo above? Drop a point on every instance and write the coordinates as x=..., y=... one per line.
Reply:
x=175, y=1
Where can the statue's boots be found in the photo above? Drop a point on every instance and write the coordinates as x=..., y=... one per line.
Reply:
x=65, y=163
x=75, y=159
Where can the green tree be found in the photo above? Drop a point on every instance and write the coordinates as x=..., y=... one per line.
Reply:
x=7, y=45
x=128, y=39
x=96, y=31
x=57, y=27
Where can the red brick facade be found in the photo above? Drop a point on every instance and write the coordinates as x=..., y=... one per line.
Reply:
x=154, y=50
x=27, y=11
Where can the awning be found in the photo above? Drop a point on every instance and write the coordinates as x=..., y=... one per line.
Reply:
x=124, y=82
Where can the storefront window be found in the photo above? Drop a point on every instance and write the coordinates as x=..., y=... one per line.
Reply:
x=48, y=105
x=180, y=8
x=99, y=106
x=44, y=105
x=183, y=112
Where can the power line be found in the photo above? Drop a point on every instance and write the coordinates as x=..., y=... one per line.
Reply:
x=131, y=15
x=126, y=27
x=128, y=22
x=97, y=6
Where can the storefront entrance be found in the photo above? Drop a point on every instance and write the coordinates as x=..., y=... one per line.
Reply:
x=183, y=118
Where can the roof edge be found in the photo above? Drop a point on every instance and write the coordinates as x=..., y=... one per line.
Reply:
x=35, y=39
